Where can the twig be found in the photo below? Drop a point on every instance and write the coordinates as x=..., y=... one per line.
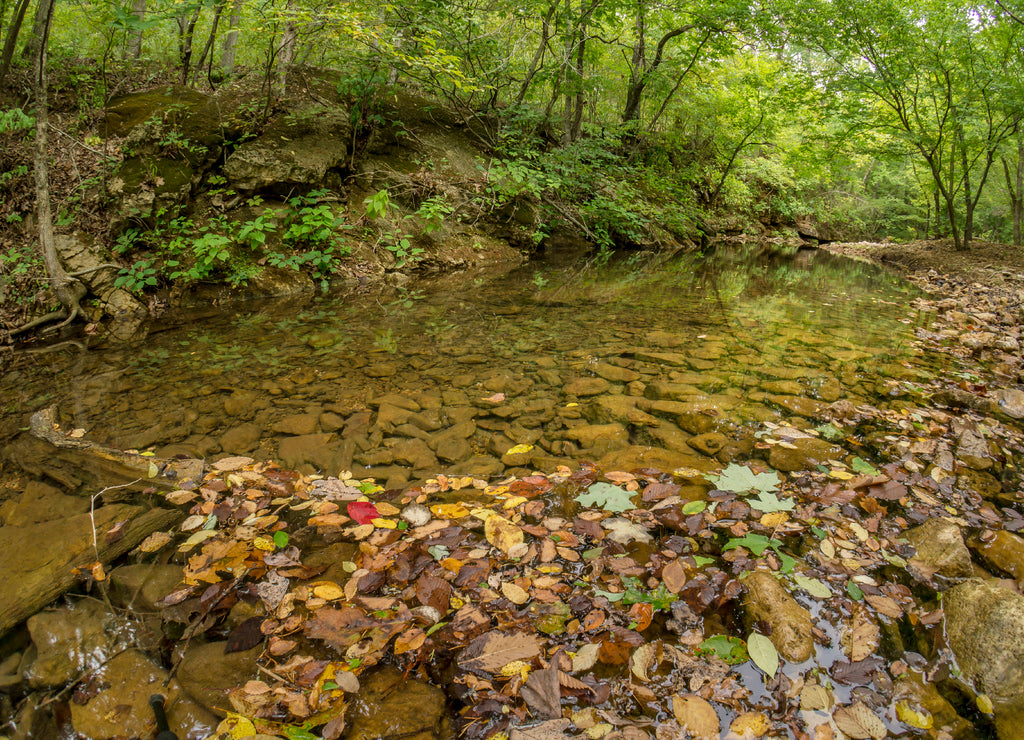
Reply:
x=76, y=141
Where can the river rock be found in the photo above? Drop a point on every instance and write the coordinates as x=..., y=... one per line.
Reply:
x=121, y=709
x=1010, y=401
x=416, y=454
x=241, y=439
x=207, y=673
x=68, y=640
x=767, y=601
x=613, y=373
x=805, y=453
x=972, y=449
x=708, y=444
x=977, y=340
x=912, y=688
x=662, y=391
x=799, y=405
x=670, y=437
x=601, y=437
x=297, y=424
x=586, y=387
x=940, y=550
x=390, y=706
x=985, y=630
x=618, y=409
x=640, y=456
x=1004, y=552
x=307, y=448
x=243, y=404
x=453, y=449
x=141, y=585
x=41, y=503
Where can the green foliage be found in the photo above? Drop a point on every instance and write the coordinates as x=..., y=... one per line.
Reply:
x=732, y=650
x=377, y=205
x=138, y=277
x=15, y=119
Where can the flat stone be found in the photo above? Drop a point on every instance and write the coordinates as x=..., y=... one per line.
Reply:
x=391, y=706
x=640, y=456
x=141, y=585
x=398, y=400
x=241, y=439
x=1010, y=401
x=121, y=709
x=799, y=405
x=985, y=630
x=599, y=436
x=207, y=673
x=613, y=373
x=767, y=601
x=940, y=549
x=1004, y=552
x=709, y=444
x=68, y=640
x=415, y=453
x=618, y=409
x=297, y=424
x=586, y=387
x=807, y=453
x=453, y=449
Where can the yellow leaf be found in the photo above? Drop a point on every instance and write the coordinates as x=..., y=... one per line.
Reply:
x=984, y=704
x=449, y=511
x=516, y=668
x=696, y=715
x=502, y=533
x=754, y=723
x=384, y=523
x=235, y=727
x=774, y=519
x=264, y=543
x=514, y=502
x=328, y=591
x=840, y=474
x=920, y=718
x=514, y=593
x=519, y=449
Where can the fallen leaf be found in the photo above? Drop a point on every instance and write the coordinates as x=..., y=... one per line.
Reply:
x=363, y=512
x=543, y=693
x=486, y=654
x=586, y=657
x=643, y=659
x=813, y=586
x=859, y=722
x=750, y=724
x=762, y=651
x=861, y=637
x=514, y=593
x=673, y=575
x=606, y=496
x=696, y=715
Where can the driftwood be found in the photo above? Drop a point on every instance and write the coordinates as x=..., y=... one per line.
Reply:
x=115, y=466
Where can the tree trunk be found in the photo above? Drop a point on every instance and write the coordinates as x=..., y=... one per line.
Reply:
x=13, y=30
x=186, y=33
x=227, y=61
x=135, y=42
x=31, y=50
x=1018, y=203
x=287, y=50
x=218, y=10
x=570, y=37
x=63, y=283
x=538, y=56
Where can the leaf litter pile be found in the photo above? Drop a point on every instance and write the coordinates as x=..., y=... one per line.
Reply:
x=588, y=603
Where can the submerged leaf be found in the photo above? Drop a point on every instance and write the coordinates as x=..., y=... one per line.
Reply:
x=763, y=653
x=606, y=496
x=741, y=479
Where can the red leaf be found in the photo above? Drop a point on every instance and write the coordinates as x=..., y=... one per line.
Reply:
x=362, y=511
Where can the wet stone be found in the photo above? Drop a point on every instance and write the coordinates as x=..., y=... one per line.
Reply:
x=67, y=640
x=767, y=601
x=241, y=439
x=805, y=454
x=599, y=436
x=799, y=405
x=940, y=549
x=41, y=503
x=121, y=709
x=586, y=387
x=614, y=373
x=1004, y=552
x=390, y=706
x=297, y=424
x=141, y=585
x=207, y=673
x=985, y=629
x=309, y=448
x=708, y=444
x=618, y=409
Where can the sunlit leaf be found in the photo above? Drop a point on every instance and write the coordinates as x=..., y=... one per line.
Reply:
x=741, y=479
x=813, y=586
x=763, y=653
x=606, y=496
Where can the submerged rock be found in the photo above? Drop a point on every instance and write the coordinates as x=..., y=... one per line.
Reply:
x=390, y=706
x=122, y=709
x=804, y=453
x=940, y=550
x=768, y=601
x=1004, y=552
x=67, y=640
x=985, y=630
x=924, y=698
x=208, y=673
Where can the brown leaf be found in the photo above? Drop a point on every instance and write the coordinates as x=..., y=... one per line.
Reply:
x=433, y=591
x=696, y=715
x=859, y=722
x=674, y=576
x=488, y=653
x=553, y=729
x=245, y=636
x=860, y=639
x=543, y=694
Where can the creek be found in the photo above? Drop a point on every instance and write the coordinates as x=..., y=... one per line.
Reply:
x=678, y=364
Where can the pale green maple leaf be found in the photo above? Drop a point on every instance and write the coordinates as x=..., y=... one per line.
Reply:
x=606, y=496
x=741, y=479
x=766, y=503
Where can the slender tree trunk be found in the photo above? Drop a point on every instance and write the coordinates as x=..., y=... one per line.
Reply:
x=135, y=42
x=570, y=37
x=227, y=62
x=187, y=31
x=31, y=49
x=1018, y=205
x=218, y=10
x=580, y=99
x=538, y=56
x=287, y=53
x=11, y=41
x=62, y=282
x=3, y=14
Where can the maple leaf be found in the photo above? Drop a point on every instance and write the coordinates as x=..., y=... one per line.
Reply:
x=606, y=496
x=768, y=502
x=741, y=479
